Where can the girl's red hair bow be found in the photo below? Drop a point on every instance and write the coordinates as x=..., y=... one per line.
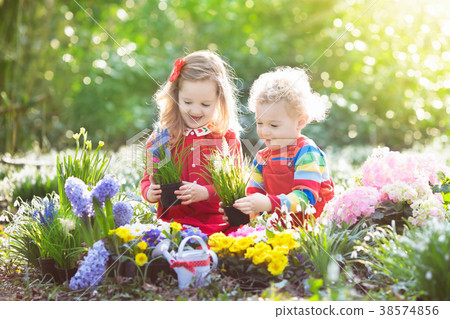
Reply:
x=176, y=72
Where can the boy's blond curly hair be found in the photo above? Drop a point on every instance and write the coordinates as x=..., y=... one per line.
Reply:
x=292, y=85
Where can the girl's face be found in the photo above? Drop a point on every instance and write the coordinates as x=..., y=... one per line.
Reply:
x=275, y=126
x=198, y=102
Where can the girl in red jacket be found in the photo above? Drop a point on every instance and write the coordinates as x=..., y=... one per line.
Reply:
x=197, y=106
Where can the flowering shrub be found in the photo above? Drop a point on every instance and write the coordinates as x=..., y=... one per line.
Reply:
x=393, y=186
x=270, y=254
x=353, y=203
x=92, y=269
x=385, y=167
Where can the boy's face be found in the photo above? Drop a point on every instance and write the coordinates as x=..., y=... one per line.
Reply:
x=198, y=102
x=275, y=126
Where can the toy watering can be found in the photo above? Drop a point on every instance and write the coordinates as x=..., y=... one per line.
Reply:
x=189, y=265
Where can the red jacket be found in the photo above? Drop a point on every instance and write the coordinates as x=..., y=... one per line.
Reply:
x=204, y=214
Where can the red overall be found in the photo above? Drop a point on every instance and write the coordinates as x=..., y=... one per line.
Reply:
x=279, y=179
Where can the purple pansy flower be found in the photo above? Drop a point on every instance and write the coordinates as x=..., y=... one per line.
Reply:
x=191, y=231
x=152, y=237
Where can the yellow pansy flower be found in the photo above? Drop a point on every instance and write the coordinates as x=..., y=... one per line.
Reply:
x=281, y=249
x=250, y=252
x=176, y=226
x=141, y=259
x=142, y=245
x=276, y=267
x=260, y=257
x=241, y=244
x=261, y=246
x=226, y=242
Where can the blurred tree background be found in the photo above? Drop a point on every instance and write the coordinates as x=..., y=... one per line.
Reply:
x=383, y=65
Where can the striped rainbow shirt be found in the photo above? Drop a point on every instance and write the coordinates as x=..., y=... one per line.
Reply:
x=291, y=176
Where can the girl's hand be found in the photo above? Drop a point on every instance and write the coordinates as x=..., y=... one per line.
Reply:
x=191, y=193
x=225, y=218
x=253, y=204
x=154, y=191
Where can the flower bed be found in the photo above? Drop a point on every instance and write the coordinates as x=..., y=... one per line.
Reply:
x=352, y=251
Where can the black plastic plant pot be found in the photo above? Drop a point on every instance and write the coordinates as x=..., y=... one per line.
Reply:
x=48, y=268
x=158, y=266
x=127, y=269
x=168, y=197
x=65, y=273
x=235, y=216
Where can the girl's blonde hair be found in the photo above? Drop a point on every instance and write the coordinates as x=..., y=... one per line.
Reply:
x=200, y=65
x=291, y=85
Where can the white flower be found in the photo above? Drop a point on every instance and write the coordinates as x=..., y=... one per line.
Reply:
x=67, y=225
x=310, y=210
x=259, y=236
x=271, y=221
x=137, y=229
x=225, y=148
x=163, y=226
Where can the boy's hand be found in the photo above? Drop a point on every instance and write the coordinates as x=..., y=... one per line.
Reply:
x=191, y=193
x=254, y=203
x=154, y=191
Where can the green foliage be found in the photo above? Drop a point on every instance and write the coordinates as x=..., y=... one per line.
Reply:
x=228, y=174
x=383, y=67
x=443, y=188
x=387, y=211
x=61, y=239
x=330, y=248
x=37, y=185
x=93, y=229
x=168, y=170
x=88, y=167
x=25, y=231
x=418, y=259
x=22, y=245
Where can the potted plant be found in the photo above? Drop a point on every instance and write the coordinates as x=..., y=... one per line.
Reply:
x=164, y=168
x=41, y=221
x=229, y=175
x=63, y=243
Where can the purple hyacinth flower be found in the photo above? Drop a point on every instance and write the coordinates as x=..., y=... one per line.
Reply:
x=79, y=196
x=107, y=187
x=159, y=143
x=123, y=212
x=92, y=269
